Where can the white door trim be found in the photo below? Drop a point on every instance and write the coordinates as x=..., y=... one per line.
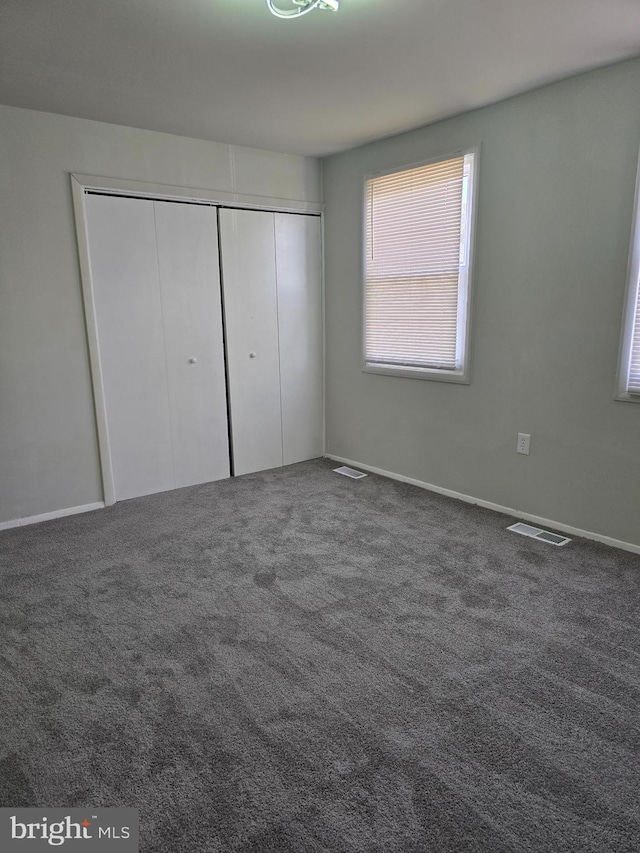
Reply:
x=91, y=323
x=168, y=192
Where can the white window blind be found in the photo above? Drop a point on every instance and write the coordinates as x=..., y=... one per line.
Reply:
x=629, y=369
x=417, y=247
x=633, y=385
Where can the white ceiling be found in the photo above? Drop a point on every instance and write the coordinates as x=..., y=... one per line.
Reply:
x=227, y=70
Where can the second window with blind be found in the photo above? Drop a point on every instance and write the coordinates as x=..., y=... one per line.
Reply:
x=629, y=365
x=418, y=252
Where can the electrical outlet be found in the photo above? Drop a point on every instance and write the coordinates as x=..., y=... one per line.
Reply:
x=524, y=440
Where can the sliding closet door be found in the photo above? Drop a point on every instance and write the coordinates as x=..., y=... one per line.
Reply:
x=273, y=306
x=191, y=304
x=128, y=308
x=251, y=318
x=156, y=284
x=299, y=279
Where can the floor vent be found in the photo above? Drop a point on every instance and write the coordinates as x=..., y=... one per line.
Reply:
x=538, y=533
x=350, y=472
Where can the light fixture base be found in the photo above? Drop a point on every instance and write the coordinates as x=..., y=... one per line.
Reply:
x=302, y=7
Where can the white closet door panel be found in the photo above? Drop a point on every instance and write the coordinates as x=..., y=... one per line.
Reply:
x=299, y=272
x=124, y=273
x=251, y=315
x=187, y=238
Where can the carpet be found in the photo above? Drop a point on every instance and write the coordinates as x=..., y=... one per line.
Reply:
x=293, y=661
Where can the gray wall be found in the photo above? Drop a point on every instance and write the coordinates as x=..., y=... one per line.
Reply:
x=556, y=185
x=48, y=446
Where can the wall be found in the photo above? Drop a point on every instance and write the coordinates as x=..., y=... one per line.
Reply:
x=556, y=185
x=48, y=445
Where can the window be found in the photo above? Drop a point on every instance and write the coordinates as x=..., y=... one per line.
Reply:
x=418, y=246
x=629, y=369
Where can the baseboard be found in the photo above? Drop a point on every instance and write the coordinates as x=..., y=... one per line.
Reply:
x=515, y=513
x=48, y=516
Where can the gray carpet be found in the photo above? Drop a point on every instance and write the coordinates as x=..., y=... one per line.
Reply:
x=295, y=661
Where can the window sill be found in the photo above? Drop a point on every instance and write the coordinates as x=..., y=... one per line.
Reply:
x=456, y=376
x=625, y=397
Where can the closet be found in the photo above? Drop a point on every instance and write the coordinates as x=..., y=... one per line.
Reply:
x=202, y=374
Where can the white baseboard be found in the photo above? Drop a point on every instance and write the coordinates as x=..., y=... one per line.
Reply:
x=515, y=513
x=47, y=516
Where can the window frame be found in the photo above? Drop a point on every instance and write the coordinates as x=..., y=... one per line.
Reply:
x=460, y=375
x=631, y=299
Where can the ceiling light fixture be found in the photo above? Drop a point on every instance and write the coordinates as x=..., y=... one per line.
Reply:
x=302, y=7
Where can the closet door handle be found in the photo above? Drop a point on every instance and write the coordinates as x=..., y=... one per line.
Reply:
x=192, y=360
x=252, y=355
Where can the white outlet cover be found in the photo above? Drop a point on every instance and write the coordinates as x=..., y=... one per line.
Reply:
x=524, y=443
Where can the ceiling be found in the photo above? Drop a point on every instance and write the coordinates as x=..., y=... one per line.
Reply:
x=228, y=70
